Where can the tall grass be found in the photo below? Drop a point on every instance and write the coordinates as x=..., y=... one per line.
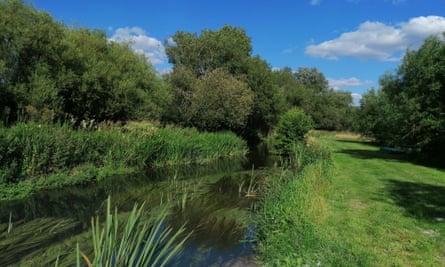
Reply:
x=135, y=242
x=53, y=156
x=291, y=206
x=294, y=210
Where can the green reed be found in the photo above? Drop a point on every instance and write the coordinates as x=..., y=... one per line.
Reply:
x=35, y=155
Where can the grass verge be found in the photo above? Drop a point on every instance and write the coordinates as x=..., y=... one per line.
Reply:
x=372, y=209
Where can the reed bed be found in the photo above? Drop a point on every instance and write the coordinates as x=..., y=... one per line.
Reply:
x=34, y=155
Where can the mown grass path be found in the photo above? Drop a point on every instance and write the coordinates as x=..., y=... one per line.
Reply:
x=384, y=207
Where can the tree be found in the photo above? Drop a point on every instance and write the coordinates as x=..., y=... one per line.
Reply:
x=293, y=93
x=308, y=89
x=228, y=49
x=268, y=104
x=311, y=77
x=49, y=71
x=375, y=118
x=220, y=101
x=30, y=49
x=410, y=105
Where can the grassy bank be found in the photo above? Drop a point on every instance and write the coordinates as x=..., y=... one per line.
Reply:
x=291, y=207
x=36, y=156
x=386, y=205
x=372, y=209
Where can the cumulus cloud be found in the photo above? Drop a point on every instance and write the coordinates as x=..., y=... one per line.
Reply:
x=140, y=42
x=343, y=82
x=379, y=41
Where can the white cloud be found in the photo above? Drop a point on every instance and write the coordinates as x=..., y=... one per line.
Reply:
x=379, y=41
x=315, y=2
x=140, y=42
x=353, y=81
x=356, y=99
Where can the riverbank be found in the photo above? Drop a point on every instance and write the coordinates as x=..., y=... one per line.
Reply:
x=35, y=156
x=372, y=209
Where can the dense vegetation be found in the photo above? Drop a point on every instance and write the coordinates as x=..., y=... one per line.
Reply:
x=50, y=72
x=36, y=156
x=408, y=110
x=64, y=90
x=292, y=204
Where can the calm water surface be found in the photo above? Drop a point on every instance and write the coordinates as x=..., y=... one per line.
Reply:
x=209, y=199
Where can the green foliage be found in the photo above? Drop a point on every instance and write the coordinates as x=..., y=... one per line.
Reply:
x=202, y=61
x=308, y=89
x=375, y=117
x=408, y=110
x=289, y=206
x=268, y=104
x=136, y=243
x=291, y=129
x=52, y=156
x=225, y=48
x=49, y=72
x=312, y=78
x=220, y=101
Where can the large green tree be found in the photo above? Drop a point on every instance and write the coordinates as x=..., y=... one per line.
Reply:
x=309, y=90
x=220, y=101
x=49, y=71
x=410, y=105
x=30, y=55
x=228, y=48
x=195, y=56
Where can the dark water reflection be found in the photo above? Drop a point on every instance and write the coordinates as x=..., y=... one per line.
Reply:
x=209, y=198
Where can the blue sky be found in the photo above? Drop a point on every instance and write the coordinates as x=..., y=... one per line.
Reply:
x=353, y=42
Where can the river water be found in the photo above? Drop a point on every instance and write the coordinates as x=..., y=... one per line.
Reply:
x=215, y=201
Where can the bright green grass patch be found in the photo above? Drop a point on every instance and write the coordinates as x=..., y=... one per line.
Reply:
x=383, y=204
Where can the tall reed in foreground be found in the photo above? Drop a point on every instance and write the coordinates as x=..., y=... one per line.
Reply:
x=135, y=243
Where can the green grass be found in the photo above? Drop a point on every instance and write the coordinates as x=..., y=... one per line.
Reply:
x=377, y=209
x=385, y=205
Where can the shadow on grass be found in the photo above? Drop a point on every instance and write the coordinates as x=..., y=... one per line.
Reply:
x=372, y=151
x=374, y=154
x=356, y=141
x=420, y=200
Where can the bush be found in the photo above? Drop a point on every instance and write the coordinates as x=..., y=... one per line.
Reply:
x=292, y=128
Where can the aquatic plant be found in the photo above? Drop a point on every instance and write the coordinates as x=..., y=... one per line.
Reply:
x=134, y=243
x=48, y=156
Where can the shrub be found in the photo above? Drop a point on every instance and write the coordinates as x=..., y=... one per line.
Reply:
x=291, y=129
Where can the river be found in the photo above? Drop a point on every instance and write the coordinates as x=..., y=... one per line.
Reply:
x=216, y=201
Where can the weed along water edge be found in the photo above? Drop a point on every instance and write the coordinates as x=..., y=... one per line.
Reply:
x=208, y=199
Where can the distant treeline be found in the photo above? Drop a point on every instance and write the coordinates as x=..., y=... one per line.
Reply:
x=51, y=72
